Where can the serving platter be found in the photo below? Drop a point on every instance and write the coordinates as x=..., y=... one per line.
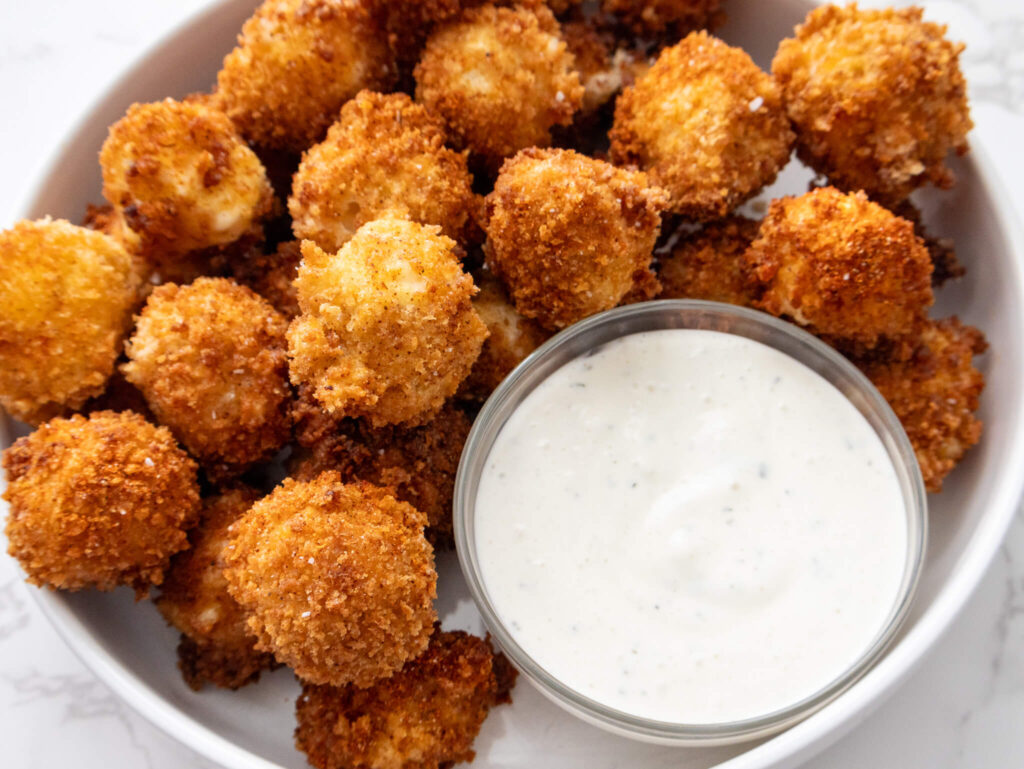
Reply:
x=131, y=649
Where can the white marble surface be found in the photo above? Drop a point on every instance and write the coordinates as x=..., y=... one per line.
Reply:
x=962, y=709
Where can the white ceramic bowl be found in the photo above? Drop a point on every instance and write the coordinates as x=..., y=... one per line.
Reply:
x=129, y=647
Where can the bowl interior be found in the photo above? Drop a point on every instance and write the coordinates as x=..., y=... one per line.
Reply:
x=133, y=651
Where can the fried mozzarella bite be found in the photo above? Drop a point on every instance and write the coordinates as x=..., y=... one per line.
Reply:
x=272, y=276
x=384, y=156
x=180, y=179
x=709, y=264
x=511, y=337
x=216, y=646
x=66, y=300
x=935, y=394
x=210, y=359
x=500, y=78
x=297, y=62
x=98, y=502
x=419, y=463
x=338, y=579
x=706, y=124
x=877, y=98
x=842, y=266
x=664, y=17
x=570, y=236
x=425, y=716
x=387, y=329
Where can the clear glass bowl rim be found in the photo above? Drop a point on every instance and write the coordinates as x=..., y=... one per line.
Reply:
x=599, y=329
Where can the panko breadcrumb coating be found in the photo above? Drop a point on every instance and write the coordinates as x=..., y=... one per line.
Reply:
x=98, y=502
x=385, y=155
x=709, y=264
x=337, y=578
x=877, y=98
x=216, y=645
x=425, y=716
x=843, y=266
x=671, y=17
x=706, y=124
x=511, y=337
x=570, y=236
x=66, y=300
x=500, y=78
x=297, y=62
x=181, y=179
x=387, y=329
x=272, y=276
x=935, y=394
x=210, y=359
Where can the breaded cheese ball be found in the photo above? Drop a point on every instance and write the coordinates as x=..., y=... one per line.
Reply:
x=500, y=78
x=842, y=266
x=66, y=300
x=877, y=98
x=425, y=716
x=673, y=17
x=570, y=236
x=709, y=264
x=297, y=62
x=419, y=463
x=98, y=502
x=216, y=646
x=935, y=394
x=338, y=579
x=210, y=359
x=387, y=329
x=180, y=179
x=385, y=155
x=706, y=124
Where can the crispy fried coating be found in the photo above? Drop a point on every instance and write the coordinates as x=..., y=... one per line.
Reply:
x=424, y=717
x=210, y=359
x=384, y=155
x=570, y=236
x=337, y=578
x=945, y=265
x=511, y=337
x=664, y=17
x=500, y=78
x=604, y=68
x=877, y=98
x=216, y=646
x=843, y=266
x=272, y=276
x=419, y=463
x=180, y=179
x=709, y=264
x=66, y=300
x=935, y=394
x=387, y=329
x=98, y=502
x=297, y=62
x=706, y=124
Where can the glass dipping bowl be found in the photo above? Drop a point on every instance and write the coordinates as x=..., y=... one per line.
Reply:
x=584, y=337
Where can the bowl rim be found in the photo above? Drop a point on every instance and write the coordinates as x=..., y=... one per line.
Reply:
x=787, y=749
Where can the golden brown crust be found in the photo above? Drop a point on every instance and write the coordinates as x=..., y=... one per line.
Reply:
x=877, y=98
x=337, y=578
x=216, y=646
x=935, y=394
x=570, y=236
x=843, y=266
x=671, y=17
x=272, y=276
x=384, y=156
x=706, y=124
x=297, y=62
x=66, y=298
x=387, y=329
x=500, y=78
x=210, y=360
x=424, y=717
x=98, y=502
x=709, y=264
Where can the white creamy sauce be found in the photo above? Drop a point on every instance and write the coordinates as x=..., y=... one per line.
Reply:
x=690, y=526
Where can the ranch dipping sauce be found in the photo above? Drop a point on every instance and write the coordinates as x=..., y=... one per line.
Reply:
x=690, y=526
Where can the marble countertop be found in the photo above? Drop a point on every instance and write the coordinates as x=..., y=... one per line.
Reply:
x=962, y=709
